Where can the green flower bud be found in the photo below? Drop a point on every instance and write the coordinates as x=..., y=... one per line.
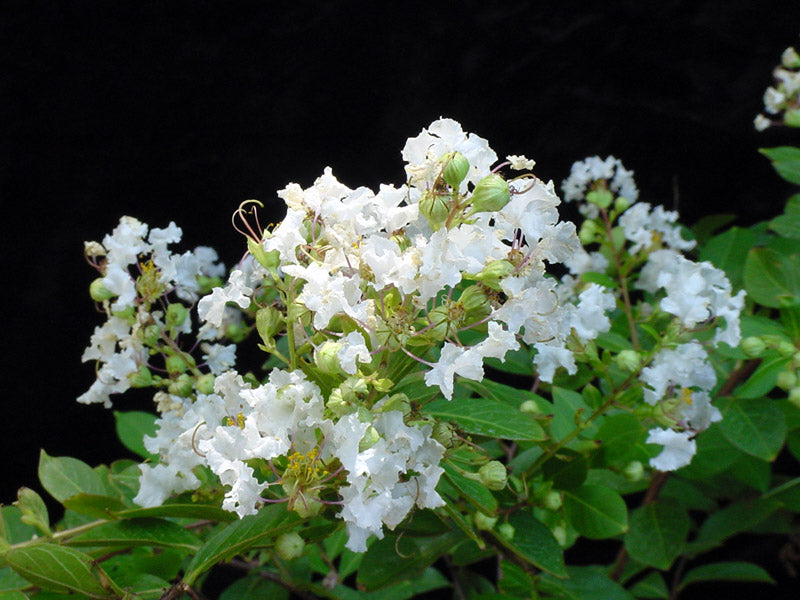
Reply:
x=456, y=167
x=269, y=321
x=176, y=315
x=587, y=232
x=628, y=360
x=506, y=531
x=786, y=380
x=473, y=298
x=796, y=360
x=176, y=363
x=98, y=291
x=151, y=335
x=790, y=59
x=794, y=396
x=786, y=348
x=435, y=208
x=490, y=194
x=397, y=402
x=289, y=546
x=484, y=522
x=182, y=386
x=337, y=404
x=142, y=378
x=552, y=500
x=371, y=437
x=494, y=272
x=326, y=357
x=560, y=533
x=791, y=117
x=633, y=471
x=445, y=434
x=621, y=204
x=493, y=475
x=205, y=384
x=601, y=198
x=753, y=346
x=530, y=407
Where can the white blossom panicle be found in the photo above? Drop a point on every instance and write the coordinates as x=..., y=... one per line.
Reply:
x=645, y=227
x=593, y=169
x=679, y=448
x=782, y=100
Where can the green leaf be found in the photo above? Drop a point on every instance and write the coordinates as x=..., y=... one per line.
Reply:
x=623, y=438
x=132, y=427
x=596, y=512
x=613, y=341
x=64, y=477
x=705, y=227
x=656, y=533
x=472, y=491
x=786, y=161
x=771, y=278
x=534, y=542
x=567, y=469
x=144, y=585
x=92, y=505
x=33, y=509
x=179, y=511
x=569, y=407
x=254, y=587
x=763, y=378
x=517, y=362
x=139, y=532
x=788, y=494
x=514, y=580
x=600, y=279
x=397, y=558
x=586, y=583
x=11, y=580
x=12, y=528
x=228, y=540
x=756, y=427
x=60, y=569
x=490, y=418
x=652, y=586
x=735, y=518
x=13, y=595
x=726, y=571
x=714, y=454
x=728, y=251
x=787, y=225
x=751, y=471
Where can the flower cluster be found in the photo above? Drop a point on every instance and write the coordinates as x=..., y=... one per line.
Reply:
x=782, y=100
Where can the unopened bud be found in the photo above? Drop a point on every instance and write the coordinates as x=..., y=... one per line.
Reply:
x=445, y=434
x=753, y=346
x=494, y=272
x=484, y=522
x=794, y=396
x=552, y=500
x=473, y=298
x=326, y=357
x=456, y=167
x=621, y=204
x=786, y=348
x=182, y=386
x=628, y=360
x=289, y=546
x=490, y=194
x=530, y=407
x=560, y=533
x=786, y=380
x=176, y=315
x=633, y=471
x=435, y=208
x=141, y=378
x=493, y=475
x=98, y=291
x=176, y=364
x=587, y=232
x=205, y=384
x=506, y=531
x=601, y=198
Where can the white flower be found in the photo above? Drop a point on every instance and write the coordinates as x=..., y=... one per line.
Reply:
x=353, y=349
x=678, y=449
x=549, y=357
x=774, y=101
x=520, y=163
x=454, y=360
x=593, y=168
x=761, y=122
x=219, y=357
x=212, y=307
x=685, y=366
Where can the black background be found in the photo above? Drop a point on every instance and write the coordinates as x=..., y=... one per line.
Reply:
x=181, y=110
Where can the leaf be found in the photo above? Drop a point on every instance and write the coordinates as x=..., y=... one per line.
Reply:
x=613, y=341
x=145, y=585
x=60, y=569
x=64, y=477
x=490, y=418
x=472, y=491
x=568, y=407
x=33, y=509
x=92, y=505
x=131, y=428
x=514, y=580
x=623, y=438
x=735, y=518
x=253, y=587
x=788, y=494
x=12, y=528
x=395, y=558
x=728, y=251
x=139, y=532
x=180, y=511
x=763, y=378
x=13, y=595
x=705, y=227
x=714, y=454
x=751, y=471
x=534, y=542
x=596, y=512
x=652, y=586
x=228, y=540
x=771, y=278
x=516, y=362
x=656, y=533
x=786, y=161
x=586, y=583
x=567, y=469
x=726, y=571
x=756, y=427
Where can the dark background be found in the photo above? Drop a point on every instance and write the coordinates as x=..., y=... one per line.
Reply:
x=181, y=110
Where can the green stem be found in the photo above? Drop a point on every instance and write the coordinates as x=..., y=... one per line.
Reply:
x=623, y=276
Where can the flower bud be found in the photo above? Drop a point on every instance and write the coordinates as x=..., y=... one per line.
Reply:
x=182, y=386
x=435, y=208
x=633, y=471
x=494, y=272
x=791, y=118
x=371, y=437
x=484, y=522
x=289, y=545
x=176, y=315
x=141, y=378
x=628, y=360
x=753, y=346
x=552, y=500
x=326, y=357
x=98, y=291
x=621, y=204
x=456, y=167
x=474, y=299
x=530, y=407
x=794, y=396
x=151, y=335
x=397, y=402
x=506, y=531
x=176, y=364
x=445, y=434
x=786, y=380
x=602, y=198
x=493, y=475
x=269, y=321
x=560, y=533
x=205, y=384
x=786, y=348
x=490, y=194
x=587, y=232
x=790, y=59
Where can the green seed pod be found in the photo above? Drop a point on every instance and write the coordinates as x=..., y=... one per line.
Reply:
x=445, y=434
x=98, y=291
x=435, y=208
x=289, y=546
x=456, y=167
x=490, y=194
x=493, y=475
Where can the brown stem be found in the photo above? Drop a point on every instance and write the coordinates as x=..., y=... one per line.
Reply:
x=739, y=374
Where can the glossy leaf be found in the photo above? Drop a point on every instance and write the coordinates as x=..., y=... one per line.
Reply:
x=64, y=477
x=763, y=378
x=92, y=505
x=756, y=427
x=771, y=278
x=586, y=583
x=472, y=491
x=489, y=418
x=728, y=251
x=726, y=571
x=656, y=533
x=534, y=542
x=596, y=512
x=652, y=586
x=180, y=511
x=131, y=428
x=139, y=532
